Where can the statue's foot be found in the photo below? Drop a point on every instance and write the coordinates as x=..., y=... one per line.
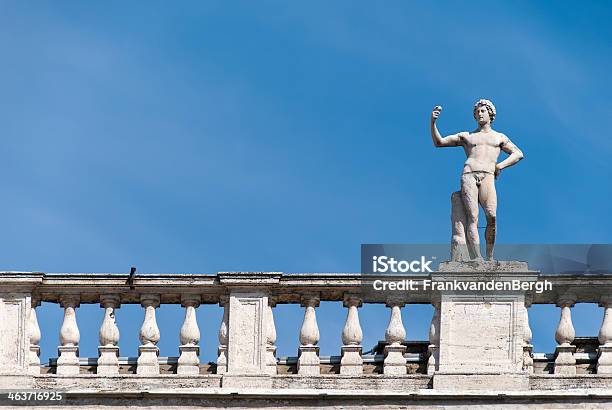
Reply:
x=478, y=259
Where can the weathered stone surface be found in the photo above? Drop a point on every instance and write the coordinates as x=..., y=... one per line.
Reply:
x=482, y=332
x=247, y=333
x=147, y=360
x=556, y=382
x=108, y=360
x=480, y=381
x=15, y=346
x=489, y=267
x=246, y=381
x=364, y=382
x=126, y=383
x=481, y=336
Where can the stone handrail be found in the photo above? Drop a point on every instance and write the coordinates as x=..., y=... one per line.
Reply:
x=285, y=287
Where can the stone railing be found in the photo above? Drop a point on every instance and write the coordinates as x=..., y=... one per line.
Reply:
x=477, y=343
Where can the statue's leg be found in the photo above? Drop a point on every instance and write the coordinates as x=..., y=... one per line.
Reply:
x=488, y=201
x=469, y=194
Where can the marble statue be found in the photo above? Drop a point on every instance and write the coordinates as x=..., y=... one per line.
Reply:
x=482, y=148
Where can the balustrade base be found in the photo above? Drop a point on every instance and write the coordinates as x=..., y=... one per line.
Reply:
x=528, y=358
x=147, y=360
x=34, y=366
x=395, y=362
x=351, y=363
x=309, y=361
x=188, y=362
x=565, y=362
x=222, y=359
x=604, y=361
x=68, y=360
x=108, y=360
x=271, y=360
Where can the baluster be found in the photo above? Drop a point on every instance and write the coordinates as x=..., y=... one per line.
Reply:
x=270, y=338
x=352, y=362
x=223, y=337
x=433, y=349
x=149, y=336
x=68, y=360
x=395, y=362
x=35, y=335
x=604, y=361
x=308, y=357
x=565, y=362
x=189, y=362
x=108, y=351
x=527, y=346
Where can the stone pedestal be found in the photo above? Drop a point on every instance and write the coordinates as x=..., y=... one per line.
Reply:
x=147, y=363
x=108, y=360
x=14, y=349
x=15, y=312
x=395, y=362
x=68, y=360
x=188, y=362
x=351, y=363
x=604, y=361
x=246, y=353
x=250, y=328
x=34, y=366
x=222, y=359
x=308, y=361
x=481, y=332
x=247, y=334
x=271, y=360
x=528, y=358
x=565, y=362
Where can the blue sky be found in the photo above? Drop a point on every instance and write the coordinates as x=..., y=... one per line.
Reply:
x=211, y=136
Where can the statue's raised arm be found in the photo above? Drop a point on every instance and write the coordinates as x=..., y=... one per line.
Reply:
x=439, y=141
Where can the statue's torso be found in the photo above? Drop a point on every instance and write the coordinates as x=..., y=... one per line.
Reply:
x=482, y=150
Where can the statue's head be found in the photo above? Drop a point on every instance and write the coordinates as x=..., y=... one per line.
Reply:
x=484, y=112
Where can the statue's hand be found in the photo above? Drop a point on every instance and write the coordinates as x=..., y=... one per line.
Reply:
x=497, y=170
x=436, y=113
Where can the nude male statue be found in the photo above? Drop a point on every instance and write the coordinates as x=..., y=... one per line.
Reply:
x=482, y=148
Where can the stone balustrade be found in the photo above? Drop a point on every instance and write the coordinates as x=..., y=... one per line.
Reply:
x=246, y=354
